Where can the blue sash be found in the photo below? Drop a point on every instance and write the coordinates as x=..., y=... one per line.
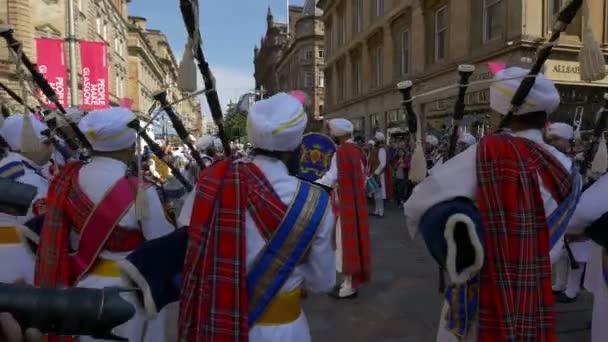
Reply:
x=559, y=218
x=12, y=170
x=286, y=248
x=464, y=299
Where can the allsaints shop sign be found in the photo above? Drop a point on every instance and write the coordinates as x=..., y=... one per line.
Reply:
x=569, y=72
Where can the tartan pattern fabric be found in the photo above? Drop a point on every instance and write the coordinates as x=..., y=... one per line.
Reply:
x=516, y=303
x=68, y=208
x=214, y=303
x=352, y=210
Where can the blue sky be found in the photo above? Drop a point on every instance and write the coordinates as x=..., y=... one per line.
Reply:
x=230, y=29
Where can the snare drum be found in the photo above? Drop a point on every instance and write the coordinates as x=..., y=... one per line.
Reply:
x=371, y=186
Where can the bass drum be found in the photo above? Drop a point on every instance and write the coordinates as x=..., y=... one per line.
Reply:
x=314, y=156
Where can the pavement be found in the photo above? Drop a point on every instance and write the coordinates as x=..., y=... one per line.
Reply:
x=402, y=303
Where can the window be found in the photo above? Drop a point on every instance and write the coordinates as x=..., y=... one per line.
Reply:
x=321, y=53
x=379, y=8
x=98, y=24
x=441, y=28
x=341, y=31
x=404, y=61
x=357, y=16
x=553, y=7
x=356, y=72
x=341, y=83
x=491, y=19
x=308, y=79
x=310, y=55
x=105, y=30
x=321, y=80
x=377, y=66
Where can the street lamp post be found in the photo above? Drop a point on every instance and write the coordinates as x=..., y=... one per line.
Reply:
x=72, y=42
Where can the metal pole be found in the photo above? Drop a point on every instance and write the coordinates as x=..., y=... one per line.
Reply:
x=72, y=42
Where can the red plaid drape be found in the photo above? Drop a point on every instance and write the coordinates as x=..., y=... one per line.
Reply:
x=214, y=288
x=352, y=210
x=516, y=303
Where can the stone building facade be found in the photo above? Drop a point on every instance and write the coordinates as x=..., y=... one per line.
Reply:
x=293, y=59
x=302, y=61
x=96, y=20
x=267, y=56
x=371, y=45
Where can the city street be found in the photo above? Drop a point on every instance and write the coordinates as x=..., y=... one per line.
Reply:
x=402, y=302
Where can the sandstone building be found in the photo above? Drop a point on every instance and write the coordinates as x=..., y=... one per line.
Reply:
x=370, y=45
x=297, y=61
x=96, y=20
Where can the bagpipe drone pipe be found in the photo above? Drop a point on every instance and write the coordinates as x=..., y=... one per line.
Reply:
x=72, y=311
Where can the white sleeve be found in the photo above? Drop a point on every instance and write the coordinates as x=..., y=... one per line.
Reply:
x=320, y=268
x=156, y=225
x=186, y=213
x=440, y=185
x=331, y=177
x=382, y=160
x=591, y=206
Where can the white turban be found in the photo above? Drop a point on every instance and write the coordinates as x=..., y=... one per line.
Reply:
x=432, y=140
x=543, y=96
x=107, y=130
x=379, y=136
x=371, y=142
x=561, y=130
x=340, y=127
x=204, y=142
x=12, y=130
x=467, y=139
x=276, y=123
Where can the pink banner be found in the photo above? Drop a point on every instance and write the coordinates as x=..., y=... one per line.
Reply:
x=51, y=64
x=93, y=59
x=126, y=102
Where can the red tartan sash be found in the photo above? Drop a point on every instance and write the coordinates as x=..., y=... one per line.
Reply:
x=216, y=255
x=80, y=208
x=516, y=303
x=102, y=224
x=352, y=210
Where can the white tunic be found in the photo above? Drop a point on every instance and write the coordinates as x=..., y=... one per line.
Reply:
x=22, y=262
x=95, y=179
x=317, y=274
x=593, y=205
x=457, y=177
x=379, y=171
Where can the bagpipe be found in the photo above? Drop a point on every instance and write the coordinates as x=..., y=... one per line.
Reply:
x=452, y=230
x=73, y=137
x=73, y=311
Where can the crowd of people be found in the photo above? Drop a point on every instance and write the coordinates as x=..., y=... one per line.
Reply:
x=233, y=259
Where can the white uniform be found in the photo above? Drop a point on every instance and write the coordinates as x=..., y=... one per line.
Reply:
x=440, y=186
x=379, y=171
x=95, y=179
x=592, y=205
x=22, y=262
x=330, y=179
x=317, y=274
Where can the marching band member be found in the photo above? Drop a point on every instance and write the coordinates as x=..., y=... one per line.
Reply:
x=465, y=140
x=591, y=213
x=211, y=150
x=352, y=241
x=100, y=213
x=567, y=280
x=266, y=237
x=29, y=151
x=560, y=135
x=381, y=170
x=494, y=215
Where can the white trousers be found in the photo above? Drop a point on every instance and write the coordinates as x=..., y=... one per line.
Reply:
x=445, y=335
x=567, y=279
x=346, y=288
x=379, y=201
